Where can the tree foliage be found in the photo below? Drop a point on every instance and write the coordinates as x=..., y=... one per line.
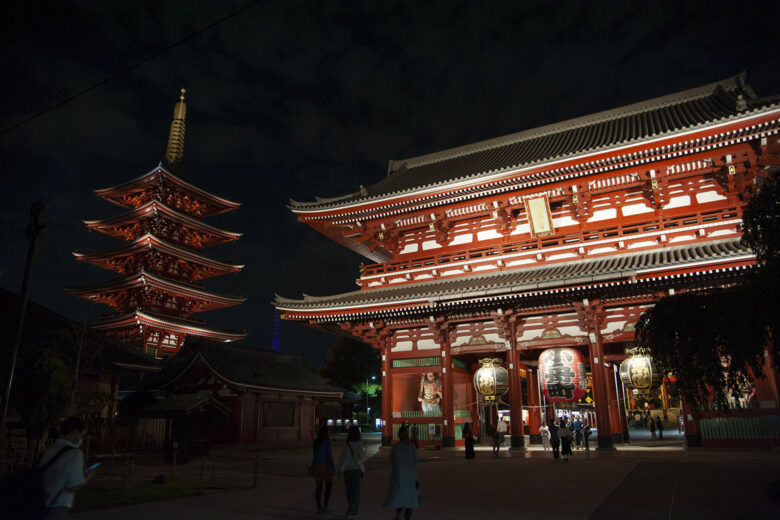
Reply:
x=351, y=362
x=715, y=341
x=762, y=223
x=43, y=386
x=44, y=392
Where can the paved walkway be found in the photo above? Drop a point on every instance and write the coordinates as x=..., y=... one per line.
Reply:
x=646, y=480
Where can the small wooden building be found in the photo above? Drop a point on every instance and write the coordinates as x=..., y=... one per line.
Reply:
x=230, y=393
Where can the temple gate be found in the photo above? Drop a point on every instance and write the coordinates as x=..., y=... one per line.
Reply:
x=555, y=237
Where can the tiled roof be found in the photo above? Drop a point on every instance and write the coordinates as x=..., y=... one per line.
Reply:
x=147, y=241
x=43, y=326
x=168, y=323
x=158, y=174
x=666, y=115
x=142, y=278
x=249, y=366
x=614, y=267
x=149, y=209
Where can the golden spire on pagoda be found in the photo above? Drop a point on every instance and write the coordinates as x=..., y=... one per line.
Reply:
x=175, y=151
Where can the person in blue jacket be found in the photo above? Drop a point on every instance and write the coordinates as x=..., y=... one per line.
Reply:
x=322, y=469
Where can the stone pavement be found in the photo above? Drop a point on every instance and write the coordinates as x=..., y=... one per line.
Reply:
x=645, y=480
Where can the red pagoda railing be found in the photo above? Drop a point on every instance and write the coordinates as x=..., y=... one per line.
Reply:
x=626, y=232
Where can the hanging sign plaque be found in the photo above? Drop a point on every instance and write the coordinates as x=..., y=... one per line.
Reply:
x=537, y=208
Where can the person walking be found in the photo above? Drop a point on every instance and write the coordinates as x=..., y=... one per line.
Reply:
x=544, y=432
x=652, y=428
x=565, y=434
x=555, y=440
x=352, y=468
x=64, y=470
x=660, y=427
x=586, y=435
x=403, y=488
x=498, y=436
x=577, y=427
x=468, y=436
x=322, y=469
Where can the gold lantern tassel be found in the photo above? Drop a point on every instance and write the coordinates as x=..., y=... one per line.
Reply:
x=175, y=151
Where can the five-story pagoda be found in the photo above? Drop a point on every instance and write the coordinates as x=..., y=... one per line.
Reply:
x=161, y=266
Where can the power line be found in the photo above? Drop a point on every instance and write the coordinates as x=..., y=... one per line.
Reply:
x=129, y=68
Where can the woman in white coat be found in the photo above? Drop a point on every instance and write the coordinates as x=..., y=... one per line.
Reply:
x=544, y=432
x=351, y=466
x=402, y=493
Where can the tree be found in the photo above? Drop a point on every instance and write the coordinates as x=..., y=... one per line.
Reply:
x=351, y=362
x=715, y=341
x=44, y=393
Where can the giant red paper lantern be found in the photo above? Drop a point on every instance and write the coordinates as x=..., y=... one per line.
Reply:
x=562, y=375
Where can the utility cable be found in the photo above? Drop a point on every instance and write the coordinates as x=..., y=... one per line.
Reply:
x=129, y=68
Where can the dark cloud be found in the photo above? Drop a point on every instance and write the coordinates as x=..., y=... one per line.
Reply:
x=301, y=99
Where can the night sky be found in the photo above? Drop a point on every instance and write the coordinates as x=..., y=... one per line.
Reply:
x=293, y=99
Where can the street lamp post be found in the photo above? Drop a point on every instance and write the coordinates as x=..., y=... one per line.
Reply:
x=33, y=229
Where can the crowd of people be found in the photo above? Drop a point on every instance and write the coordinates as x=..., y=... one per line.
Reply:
x=403, y=488
x=562, y=435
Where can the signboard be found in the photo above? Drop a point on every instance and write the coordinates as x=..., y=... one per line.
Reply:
x=537, y=208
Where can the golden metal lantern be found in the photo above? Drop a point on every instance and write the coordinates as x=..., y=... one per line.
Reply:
x=491, y=380
x=641, y=373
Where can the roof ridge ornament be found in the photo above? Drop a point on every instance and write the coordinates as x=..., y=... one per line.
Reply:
x=174, y=153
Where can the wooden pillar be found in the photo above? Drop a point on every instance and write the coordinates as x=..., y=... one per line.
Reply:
x=114, y=398
x=534, y=410
x=448, y=399
x=615, y=420
x=300, y=418
x=600, y=381
x=257, y=418
x=691, y=424
x=664, y=399
x=387, y=395
x=238, y=434
x=515, y=398
x=771, y=374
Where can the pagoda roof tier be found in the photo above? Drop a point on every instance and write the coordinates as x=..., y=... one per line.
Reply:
x=717, y=103
x=124, y=260
x=194, y=233
x=110, y=293
x=626, y=267
x=155, y=184
x=158, y=322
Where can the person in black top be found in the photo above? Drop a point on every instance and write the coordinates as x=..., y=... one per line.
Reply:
x=660, y=427
x=468, y=435
x=586, y=435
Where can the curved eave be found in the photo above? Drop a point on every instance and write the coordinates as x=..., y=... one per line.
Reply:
x=168, y=324
x=627, y=268
x=148, y=241
x=312, y=393
x=149, y=208
x=144, y=278
x=152, y=175
x=357, y=200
